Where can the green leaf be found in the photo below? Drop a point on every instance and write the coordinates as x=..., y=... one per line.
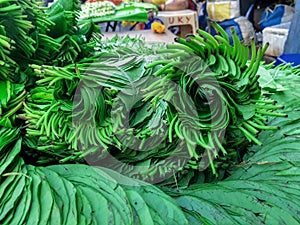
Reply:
x=22, y=209
x=266, y=80
x=114, y=195
x=243, y=82
x=10, y=156
x=4, y=94
x=163, y=209
x=85, y=210
x=142, y=213
x=248, y=111
x=60, y=26
x=205, y=209
x=64, y=193
x=141, y=115
x=12, y=197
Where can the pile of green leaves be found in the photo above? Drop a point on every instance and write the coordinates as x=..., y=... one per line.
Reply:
x=78, y=101
x=108, y=110
x=75, y=194
x=30, y=34
x=263, y=189
x=65, y=98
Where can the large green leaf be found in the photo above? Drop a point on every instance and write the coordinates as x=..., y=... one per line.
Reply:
x=162, y=208
x=111, y=204
x=81, y=194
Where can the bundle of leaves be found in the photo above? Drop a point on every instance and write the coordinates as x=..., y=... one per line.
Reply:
x=263, y=189
x=31, y=34
x=105, y=107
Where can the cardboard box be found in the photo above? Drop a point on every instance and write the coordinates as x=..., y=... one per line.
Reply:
x=186, y=19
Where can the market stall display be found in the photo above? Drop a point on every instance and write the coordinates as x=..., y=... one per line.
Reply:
x=70, y=100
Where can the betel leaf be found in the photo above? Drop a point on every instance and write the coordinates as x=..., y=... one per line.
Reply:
x=22, y=209
x=147, y=6
x=64, y=193
x=141, y=114
x=146, y=201
x=7, y=135
x=113, y=199
x=45, y=195
x=5, y=122
x=4, y=94
x=8, y=204
x=60, y=24
x=163, y=209
x=9, y=157
x=17, y=88
x=200, y=206
x=245, y=204
x=64, y=5
x=142, y=213
x=267, y=81
x=158, y=115
x=242, y=82
x=129, y=13
x=248, y=111
x=100, y=211
x=84, y=208
x=265, y=188
x=35, y=206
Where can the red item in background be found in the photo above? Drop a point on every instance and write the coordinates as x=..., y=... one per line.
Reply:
x=140, y=26
x=117, y=2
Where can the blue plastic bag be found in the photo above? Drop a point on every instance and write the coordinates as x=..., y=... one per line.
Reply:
x=276, y=15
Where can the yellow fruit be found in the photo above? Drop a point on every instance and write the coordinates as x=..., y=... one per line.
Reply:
x=157, y=27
